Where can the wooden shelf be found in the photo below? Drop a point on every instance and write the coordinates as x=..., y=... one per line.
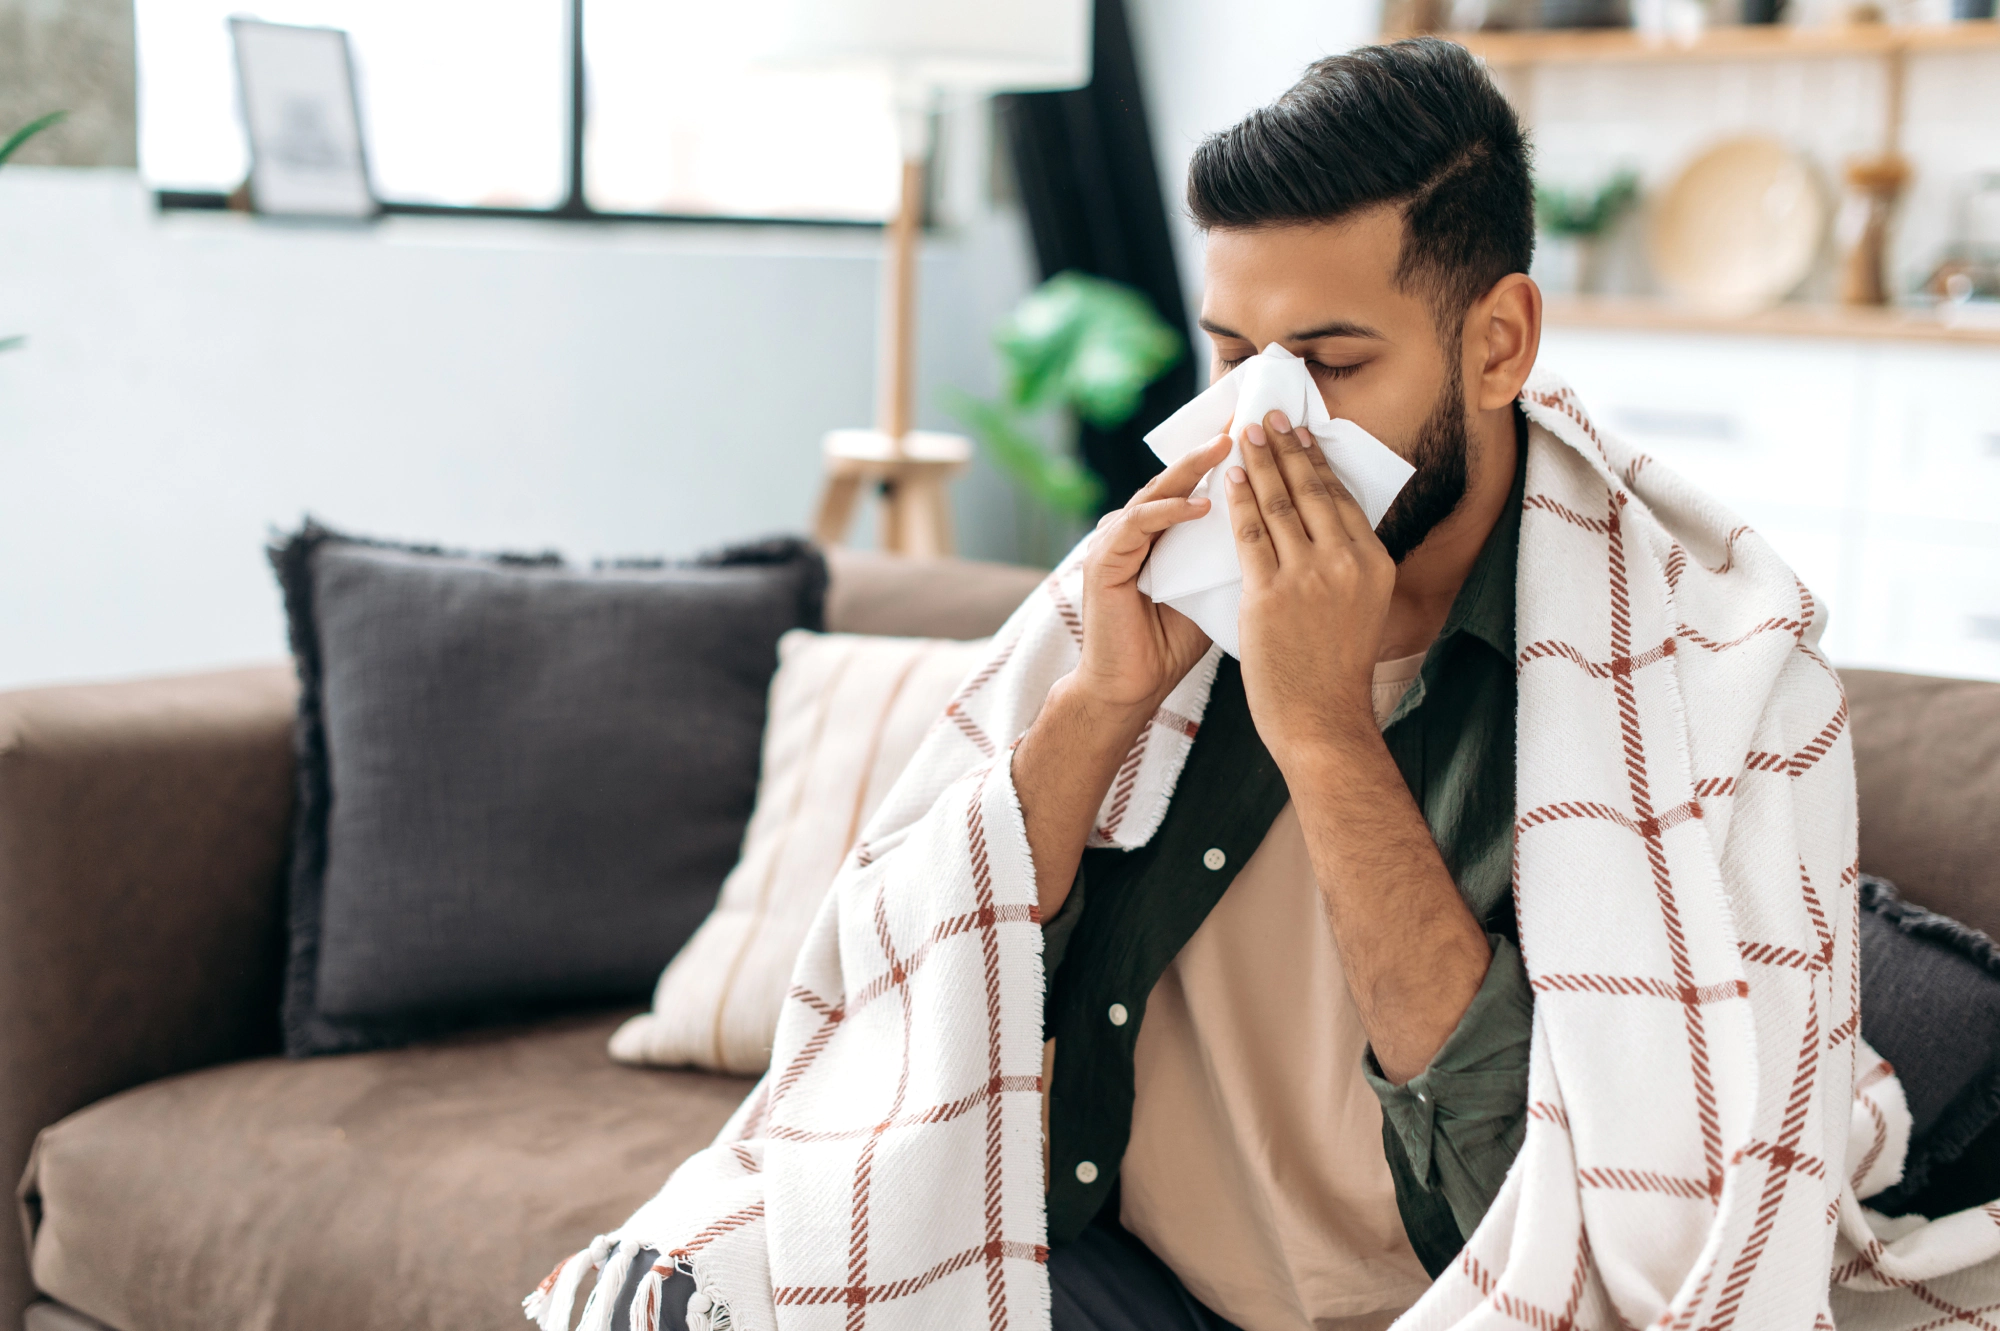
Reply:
x=1981, y=328
x=1748, y=42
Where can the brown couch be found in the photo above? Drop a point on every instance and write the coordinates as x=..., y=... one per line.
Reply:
x=177, y=1175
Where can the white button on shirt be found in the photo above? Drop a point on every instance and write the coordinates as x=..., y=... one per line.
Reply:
x=1118, y=1014
x=1214, y=858
x=1086, y=1172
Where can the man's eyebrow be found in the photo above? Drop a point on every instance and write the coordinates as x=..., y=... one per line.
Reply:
x=1338, y=328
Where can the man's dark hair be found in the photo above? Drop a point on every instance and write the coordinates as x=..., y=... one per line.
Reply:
x=1417, y=124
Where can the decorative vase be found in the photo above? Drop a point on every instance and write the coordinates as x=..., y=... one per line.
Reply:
x=1863, y=228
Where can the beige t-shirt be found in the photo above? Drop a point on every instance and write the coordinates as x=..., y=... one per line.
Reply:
x=1255, y=1166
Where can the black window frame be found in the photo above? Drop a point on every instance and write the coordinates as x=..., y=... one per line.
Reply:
x=575, y=206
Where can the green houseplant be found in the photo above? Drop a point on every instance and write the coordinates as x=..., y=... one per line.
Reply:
x=1077, y=348
x=7, y=149
x=1573, y=224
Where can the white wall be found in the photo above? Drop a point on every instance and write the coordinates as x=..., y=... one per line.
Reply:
x=1205, y=64
x=192, y=381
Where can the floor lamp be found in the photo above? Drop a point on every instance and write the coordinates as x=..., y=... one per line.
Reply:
x=923, y=47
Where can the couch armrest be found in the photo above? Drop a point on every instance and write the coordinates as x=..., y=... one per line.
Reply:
x=142, y=830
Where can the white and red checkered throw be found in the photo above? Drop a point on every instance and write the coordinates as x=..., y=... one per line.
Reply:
x=1703, y=1113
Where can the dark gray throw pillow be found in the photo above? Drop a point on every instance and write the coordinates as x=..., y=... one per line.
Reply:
x=520, y=784
x=1930, y=1004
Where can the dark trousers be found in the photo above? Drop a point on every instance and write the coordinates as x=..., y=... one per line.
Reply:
x=1105, y=1281
x=1109, y=1281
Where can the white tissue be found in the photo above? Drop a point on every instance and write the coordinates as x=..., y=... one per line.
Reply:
x=1193, y=567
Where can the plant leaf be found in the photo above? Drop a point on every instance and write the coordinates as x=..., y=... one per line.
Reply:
x=28, y=131
x=1565, y=212
x=1060, y=484
x=1085, y=343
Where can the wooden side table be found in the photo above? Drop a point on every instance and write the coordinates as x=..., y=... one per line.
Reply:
x=911, y=480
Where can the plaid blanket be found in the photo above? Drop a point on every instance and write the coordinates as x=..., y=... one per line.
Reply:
x=1703, y=1113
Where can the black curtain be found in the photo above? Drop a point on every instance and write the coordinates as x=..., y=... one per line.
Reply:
x=1091, y=191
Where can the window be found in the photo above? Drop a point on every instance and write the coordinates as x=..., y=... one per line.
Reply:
x=671, y=129
x=468, y=104
x=462, y=101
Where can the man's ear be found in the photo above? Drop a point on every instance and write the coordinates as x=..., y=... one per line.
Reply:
x=1503, y=332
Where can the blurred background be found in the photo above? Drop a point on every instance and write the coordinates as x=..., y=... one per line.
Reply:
x=608, y=283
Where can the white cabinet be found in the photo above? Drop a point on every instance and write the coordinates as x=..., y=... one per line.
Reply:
x=1873, y=468
x=1933, y=440
x=1930, y=606
x=1929, y=554
x=1751, y=420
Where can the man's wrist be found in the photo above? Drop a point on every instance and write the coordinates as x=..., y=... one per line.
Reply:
x=1331, y=751
x=1107, y=723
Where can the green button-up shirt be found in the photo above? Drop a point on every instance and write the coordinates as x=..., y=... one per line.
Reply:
x=1451, y=1132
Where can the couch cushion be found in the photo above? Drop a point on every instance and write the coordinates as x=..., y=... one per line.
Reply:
x=421, y=1188
x=848, y=711
x=1930, y=1005
x=499, y=757
x=1927, y=765
x=903, y=597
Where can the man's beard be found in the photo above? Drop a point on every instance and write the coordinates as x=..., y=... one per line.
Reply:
x=1436, y=490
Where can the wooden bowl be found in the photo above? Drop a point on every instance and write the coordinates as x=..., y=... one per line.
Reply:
x=1739, y=227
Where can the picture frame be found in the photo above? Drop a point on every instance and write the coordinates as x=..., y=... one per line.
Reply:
x=308, y=157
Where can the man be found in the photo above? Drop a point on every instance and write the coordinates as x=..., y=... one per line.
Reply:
x=1481, y=945
x=1377, y=222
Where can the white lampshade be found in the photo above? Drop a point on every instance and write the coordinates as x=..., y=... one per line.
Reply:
x=976, y=45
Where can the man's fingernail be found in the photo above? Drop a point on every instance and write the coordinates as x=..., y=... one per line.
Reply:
x=1254, y=435
x=1237, y=475
x=1276, y=420
x=1199, y=501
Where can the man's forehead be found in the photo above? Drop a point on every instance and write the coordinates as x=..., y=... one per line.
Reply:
x=1291, y=281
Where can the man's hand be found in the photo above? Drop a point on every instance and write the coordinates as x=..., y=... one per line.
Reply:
x=1316, y=589
x=1134, y=652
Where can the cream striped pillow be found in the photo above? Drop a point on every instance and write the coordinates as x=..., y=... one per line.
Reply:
x=847, y=712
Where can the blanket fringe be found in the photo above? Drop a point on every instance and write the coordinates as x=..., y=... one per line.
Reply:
x=703, y=1311
x=705, y=1314
x=599, y=1308
x=554, y=1301
x=549, y=1307
x=644, y=1314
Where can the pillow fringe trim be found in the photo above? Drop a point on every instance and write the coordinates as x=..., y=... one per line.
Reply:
x=1977, y=1108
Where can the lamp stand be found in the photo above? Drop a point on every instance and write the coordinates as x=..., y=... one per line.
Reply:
x=909, y=469
x=899, y=305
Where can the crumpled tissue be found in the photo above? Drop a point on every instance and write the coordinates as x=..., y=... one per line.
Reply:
x=1193, y=566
